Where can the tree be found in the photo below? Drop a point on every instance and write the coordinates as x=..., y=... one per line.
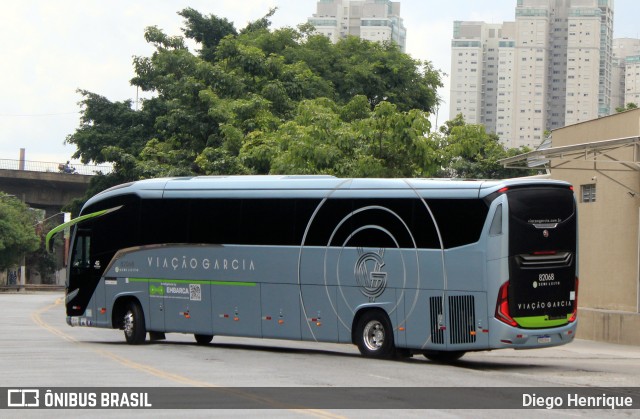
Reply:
x=17, y=232
x=468, y=151
x=43, y=262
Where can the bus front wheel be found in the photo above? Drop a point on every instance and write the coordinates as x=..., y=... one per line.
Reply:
x=374, y=335
x=134, y=330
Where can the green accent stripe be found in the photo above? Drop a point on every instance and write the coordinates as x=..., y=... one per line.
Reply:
x=540, y=321
x=199, y=281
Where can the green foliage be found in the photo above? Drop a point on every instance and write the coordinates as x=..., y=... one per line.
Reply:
x=108, y=123
x=469, y=152
x=17, y=232
x=207, y=31
x=42, y=262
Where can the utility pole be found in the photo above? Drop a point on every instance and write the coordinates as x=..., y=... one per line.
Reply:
x=23, y=268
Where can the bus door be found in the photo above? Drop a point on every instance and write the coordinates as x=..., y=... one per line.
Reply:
x=84, y=278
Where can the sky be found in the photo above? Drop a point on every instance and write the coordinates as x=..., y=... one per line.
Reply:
x=50, y=49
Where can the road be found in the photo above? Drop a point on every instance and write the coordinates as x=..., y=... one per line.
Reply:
x=38, y=349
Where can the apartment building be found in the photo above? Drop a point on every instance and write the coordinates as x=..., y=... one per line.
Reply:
x=625, y=50
x=625, y=72
x=373, y=20
x=550, y=68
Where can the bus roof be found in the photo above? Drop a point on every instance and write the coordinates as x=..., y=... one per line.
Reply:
x=310, y=186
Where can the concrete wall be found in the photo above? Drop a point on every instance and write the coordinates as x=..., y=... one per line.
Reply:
x=609, y=326
x=608, y=228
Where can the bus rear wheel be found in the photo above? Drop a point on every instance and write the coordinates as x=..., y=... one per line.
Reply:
x=133, y=324
x=444, y=357
x=203, y=339
x=374, y=335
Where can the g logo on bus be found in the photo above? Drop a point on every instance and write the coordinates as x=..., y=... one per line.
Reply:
x=545, y=233
x=369, y=275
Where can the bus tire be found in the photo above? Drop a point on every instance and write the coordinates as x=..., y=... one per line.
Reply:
x=135, y=332
x=203, y=339
x=444, y=357
x=374, y=335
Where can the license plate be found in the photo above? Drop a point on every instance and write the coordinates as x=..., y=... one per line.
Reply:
x=544, y=339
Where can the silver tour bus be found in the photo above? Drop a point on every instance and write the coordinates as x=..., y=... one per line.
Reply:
x=394, y=266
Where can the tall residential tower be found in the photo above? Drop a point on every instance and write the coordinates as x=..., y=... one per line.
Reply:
x=373, y=20
x=550, y=68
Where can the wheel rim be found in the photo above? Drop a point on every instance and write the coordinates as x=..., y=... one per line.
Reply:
x=128, y=323
x=373, y=335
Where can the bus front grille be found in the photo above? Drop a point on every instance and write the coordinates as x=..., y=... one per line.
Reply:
x=462, y=315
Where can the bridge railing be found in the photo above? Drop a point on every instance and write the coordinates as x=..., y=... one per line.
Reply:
x=42, y=166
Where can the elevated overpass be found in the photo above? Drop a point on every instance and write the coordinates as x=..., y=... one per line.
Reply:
x=46, y=185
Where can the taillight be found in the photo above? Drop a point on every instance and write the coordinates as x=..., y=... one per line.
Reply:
x=502, y=306
x=574, y=315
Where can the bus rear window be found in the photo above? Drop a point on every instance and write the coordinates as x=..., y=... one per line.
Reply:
x=539, y=206
x=541, y=219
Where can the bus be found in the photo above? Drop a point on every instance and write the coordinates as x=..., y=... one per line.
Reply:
x=395, y=266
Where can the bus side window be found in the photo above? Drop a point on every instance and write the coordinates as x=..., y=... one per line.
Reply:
x=496, y=224
x=460, y=221
x=161, y=221
x=215, y=221
x=267, y=222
